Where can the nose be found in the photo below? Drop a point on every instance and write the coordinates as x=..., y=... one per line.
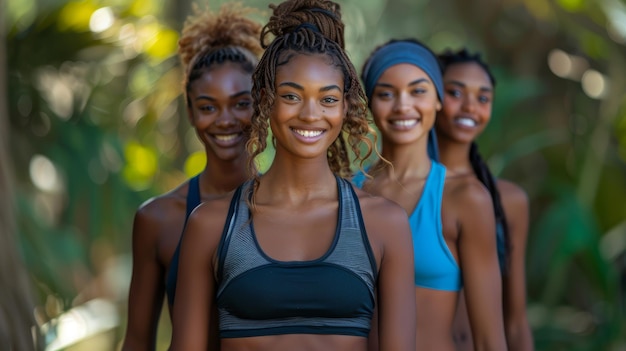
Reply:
x=402, y=103
x=225, y=119
x=469, y=104
x=311, y=111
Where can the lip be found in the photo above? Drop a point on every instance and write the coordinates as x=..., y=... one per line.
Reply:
x=229, y=139
x=308, y=135
x=465, y=122
x=402, y=124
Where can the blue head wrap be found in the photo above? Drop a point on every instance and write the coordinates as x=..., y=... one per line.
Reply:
x=405, y=52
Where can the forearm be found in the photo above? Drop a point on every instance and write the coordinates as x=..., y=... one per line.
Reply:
x=519, y=337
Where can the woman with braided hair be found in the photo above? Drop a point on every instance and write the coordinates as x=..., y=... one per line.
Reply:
x=219, y=52
x=296, y=258
x=469, y=87
x=454, y=242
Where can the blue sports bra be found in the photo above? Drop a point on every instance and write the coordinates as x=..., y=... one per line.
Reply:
x=333, y=295
x=435, y=267
x=193, y=200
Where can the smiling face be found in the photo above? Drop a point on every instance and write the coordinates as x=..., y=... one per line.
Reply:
x=220, y=110
x=310, y=106
x=467, y=104
x=404, y=104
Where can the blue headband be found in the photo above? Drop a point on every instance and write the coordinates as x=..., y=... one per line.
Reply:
x=401, y=52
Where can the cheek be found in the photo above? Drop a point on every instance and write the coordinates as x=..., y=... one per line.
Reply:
x=379, y=109
x=244, y=116
x=485, y=113
x=450, y=109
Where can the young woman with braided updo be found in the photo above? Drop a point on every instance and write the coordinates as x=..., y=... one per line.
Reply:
x=469, y=88
x=219, y=52
x=296, y=258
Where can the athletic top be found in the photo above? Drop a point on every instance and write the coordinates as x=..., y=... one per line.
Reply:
x=258, y=295
x=193, y=200
x=435, y=267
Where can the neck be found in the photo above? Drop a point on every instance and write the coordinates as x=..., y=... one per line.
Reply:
x=408, y=160
x=296, y=180
x=454, y=155
x=220, y=177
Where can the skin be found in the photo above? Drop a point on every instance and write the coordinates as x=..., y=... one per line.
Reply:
x=404, y=104
x=469, y=95
x=295, y=221
x=220, y=108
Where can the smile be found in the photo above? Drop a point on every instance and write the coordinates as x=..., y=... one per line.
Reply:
x=404, y=122
x=226, y=137
x=466, y=122
x=308, y=133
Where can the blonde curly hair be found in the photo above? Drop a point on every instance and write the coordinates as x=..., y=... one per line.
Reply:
x=216, y=37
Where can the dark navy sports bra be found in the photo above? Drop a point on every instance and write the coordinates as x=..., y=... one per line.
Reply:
x=193, y=200
x=333, y=295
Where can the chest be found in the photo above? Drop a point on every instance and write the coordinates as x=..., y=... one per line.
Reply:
x=296, y=234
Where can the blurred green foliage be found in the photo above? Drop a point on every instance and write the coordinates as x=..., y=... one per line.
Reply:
x=97, y=127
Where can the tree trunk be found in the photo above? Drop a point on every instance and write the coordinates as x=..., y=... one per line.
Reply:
x=17, y=321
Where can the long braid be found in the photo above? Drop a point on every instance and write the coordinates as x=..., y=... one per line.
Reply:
x=309, y=27
x=486, y=177
x=481, y=170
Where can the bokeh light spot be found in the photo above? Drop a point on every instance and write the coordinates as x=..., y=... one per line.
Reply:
x=101, y=20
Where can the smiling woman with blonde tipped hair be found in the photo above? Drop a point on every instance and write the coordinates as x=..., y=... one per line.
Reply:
x=218, y=52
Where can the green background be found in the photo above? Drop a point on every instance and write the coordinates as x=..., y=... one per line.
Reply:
x=95, y=126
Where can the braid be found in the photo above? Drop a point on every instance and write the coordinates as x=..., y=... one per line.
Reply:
x=215, y=38
x=502, y=230
x=309, y=27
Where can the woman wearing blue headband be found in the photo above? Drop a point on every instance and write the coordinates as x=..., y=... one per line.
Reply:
x=454, y=241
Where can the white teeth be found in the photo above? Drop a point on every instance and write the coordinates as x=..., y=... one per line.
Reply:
x=405, y=122
x=225, y=137
x=308, y=133
x=468, y=122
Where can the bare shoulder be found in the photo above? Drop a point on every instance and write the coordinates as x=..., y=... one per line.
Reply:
x=513, y=196
x=155, y=207
x=378, y=208
x=206, y=222
x=467, y=192
x=161, y=215
x=386, y=223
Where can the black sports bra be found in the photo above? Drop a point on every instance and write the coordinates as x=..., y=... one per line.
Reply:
x=260, y=296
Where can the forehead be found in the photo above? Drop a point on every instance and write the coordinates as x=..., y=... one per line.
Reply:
x=467, y=72
x=309, y=67
x=226, y=77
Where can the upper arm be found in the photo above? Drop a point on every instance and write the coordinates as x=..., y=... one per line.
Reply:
x=146, y=293
x=388, y=225
x=479, y=266
x=194, y=306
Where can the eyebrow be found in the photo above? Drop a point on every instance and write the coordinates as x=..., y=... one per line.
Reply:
x=418, y=81
x=234, y=96
x=462, y=85
x=300, y=87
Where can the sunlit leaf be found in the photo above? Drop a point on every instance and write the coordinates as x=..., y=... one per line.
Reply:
x=75, y=15
x=195, y=163
x=141, y=165
x=163, y=44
